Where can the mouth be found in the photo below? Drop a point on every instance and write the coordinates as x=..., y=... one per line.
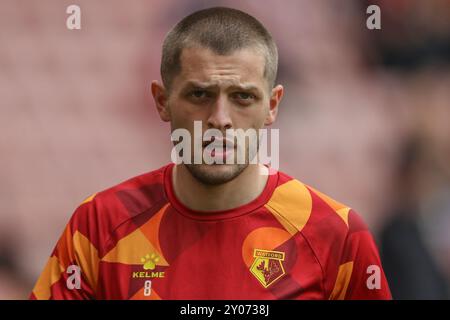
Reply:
x=219, y=148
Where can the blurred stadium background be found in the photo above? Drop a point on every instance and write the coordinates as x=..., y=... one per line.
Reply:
x=365, y=119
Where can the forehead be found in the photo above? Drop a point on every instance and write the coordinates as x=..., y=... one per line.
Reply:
x=243, y=66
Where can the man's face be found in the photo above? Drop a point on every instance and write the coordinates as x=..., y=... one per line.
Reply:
x=223, y=92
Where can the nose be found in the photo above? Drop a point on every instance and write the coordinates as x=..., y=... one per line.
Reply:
x=220, y=117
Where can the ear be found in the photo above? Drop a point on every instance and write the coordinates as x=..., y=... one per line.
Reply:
x=275, y=99
x=160, y=96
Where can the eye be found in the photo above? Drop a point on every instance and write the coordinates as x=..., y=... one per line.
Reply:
x=244, y=95
x=198, y=94
x=244, y=98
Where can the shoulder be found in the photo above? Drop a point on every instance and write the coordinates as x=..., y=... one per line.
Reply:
x=321, y=219
x=136, y=193
x=98, y=216
x=335, y=234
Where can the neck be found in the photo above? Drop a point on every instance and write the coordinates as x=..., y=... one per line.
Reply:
x=237, y=192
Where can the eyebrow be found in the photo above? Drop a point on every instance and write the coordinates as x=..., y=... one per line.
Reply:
x=208, y=85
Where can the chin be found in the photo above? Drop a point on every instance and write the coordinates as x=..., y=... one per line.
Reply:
x=215, y=174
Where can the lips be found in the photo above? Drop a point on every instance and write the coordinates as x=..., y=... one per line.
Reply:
x=219, y=148
x=219, y=144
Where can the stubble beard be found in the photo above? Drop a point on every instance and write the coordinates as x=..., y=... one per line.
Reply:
x=215, y=174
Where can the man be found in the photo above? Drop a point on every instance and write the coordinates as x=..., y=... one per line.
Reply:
x=215, y=231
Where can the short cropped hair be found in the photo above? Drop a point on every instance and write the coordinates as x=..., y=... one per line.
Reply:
x=222, y=30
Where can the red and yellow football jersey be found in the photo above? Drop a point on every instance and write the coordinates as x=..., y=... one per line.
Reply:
x=137, y=241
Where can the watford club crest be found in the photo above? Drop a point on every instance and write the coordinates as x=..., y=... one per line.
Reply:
x=267, y=266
